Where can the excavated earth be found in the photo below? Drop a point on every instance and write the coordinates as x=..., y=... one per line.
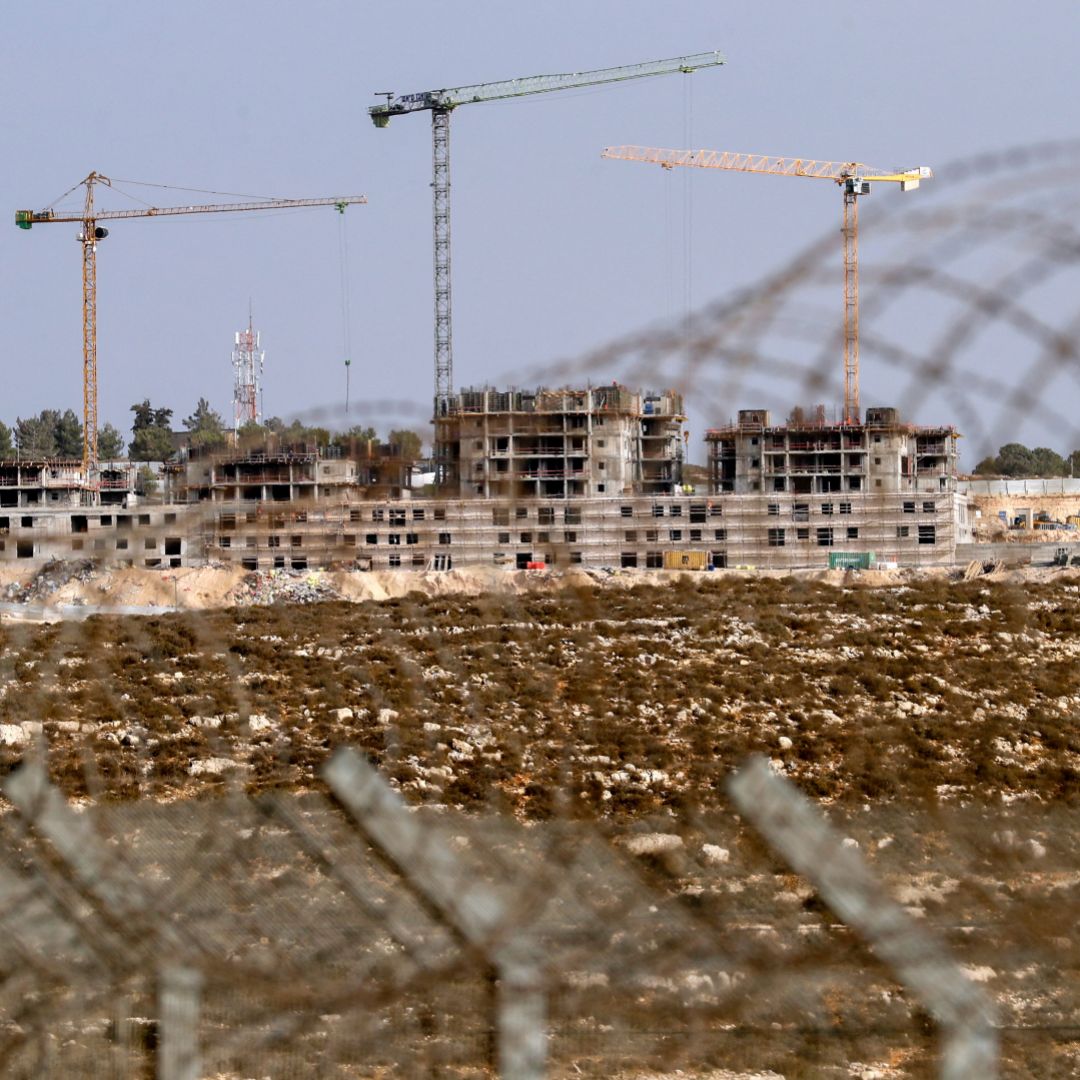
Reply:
x=934, y=719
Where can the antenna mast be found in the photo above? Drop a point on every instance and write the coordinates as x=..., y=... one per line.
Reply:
x=247, y=359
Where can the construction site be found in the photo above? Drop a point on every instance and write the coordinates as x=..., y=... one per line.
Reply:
x=549, y=479
x=575, y=475
x=585, y=744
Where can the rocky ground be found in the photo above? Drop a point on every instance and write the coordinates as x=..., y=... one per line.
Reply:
x=623, y=701
x=934, y=717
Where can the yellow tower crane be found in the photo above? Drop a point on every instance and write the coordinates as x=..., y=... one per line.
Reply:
x=89, y=236
x=854, y=179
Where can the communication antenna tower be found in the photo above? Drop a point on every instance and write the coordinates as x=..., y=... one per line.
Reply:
x=247, y=359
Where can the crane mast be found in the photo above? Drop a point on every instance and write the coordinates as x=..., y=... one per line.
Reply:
x=854, y=180
x=91, y=233
x=89, y=238
x=440, y=103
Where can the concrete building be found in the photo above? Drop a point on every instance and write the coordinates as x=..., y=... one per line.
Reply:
x=646, y=532
x=561, y=444
x=60, y=483
x=264, y=476
x=288, y=474
x=812, y=456
x=779, y=531
x=555, y=478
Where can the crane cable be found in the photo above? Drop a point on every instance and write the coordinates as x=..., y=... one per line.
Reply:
x=688, y=209
x=346, y=319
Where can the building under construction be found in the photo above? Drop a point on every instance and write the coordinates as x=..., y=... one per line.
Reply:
x=574, y=477
x=809, y=455
x=571, y=477
x=559, y=444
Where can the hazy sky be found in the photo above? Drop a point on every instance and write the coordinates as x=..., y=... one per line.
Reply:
x=555, y=250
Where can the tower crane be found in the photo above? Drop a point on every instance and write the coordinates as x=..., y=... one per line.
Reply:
x=440, y=103
x=854, y=180
x=89, y=235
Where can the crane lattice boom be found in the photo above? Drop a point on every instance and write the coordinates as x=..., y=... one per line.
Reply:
x=765, y=163
x=92, y=232
x=853, y=177
x=535, y=84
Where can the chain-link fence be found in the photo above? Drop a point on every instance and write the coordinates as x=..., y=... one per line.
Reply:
x=535, y=859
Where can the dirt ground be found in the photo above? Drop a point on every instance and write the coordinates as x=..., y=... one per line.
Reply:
x=224, y=586
x=935, y=718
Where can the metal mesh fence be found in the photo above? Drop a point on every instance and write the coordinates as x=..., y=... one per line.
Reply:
x=535, y=865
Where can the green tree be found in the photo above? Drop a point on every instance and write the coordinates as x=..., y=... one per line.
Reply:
x=207, y=429
x=252, y=435
x=410, y=445
x=1073, y=461
x=356, y=440
x=151, y=433
x=36, y=436
x=151, y=444
x=1015, y=459
x=110, y=443
x=987, y=467
x=297, y=434
x=7, y=447
x=68, y=435
x=146, y=482
x=1048, y=462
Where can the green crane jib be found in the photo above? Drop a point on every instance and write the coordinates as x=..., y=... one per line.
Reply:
x=440, y=103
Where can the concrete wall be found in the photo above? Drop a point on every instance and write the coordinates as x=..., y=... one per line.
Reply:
x=1053, y=485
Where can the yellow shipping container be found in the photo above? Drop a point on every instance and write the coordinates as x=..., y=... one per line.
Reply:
x=686, y=560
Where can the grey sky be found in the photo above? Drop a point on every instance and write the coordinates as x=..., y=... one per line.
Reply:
x=555, y=250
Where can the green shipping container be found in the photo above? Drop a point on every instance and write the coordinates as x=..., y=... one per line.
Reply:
x=851, y=560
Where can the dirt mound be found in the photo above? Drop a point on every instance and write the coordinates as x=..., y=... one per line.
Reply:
x=188, y=587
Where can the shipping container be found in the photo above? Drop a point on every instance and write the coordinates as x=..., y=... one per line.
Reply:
x=686, y=560
x=851, y=560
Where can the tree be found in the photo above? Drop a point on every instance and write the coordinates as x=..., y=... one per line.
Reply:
x=7, y=447
x=151, y=444
x=1015, y=459
x=296, y=434
x=36, y=436
x=356, y=439
x=146, y=482
x=206, y=427
x=110, y=443
x=1048, y=462
x=68, y=435
x=152, y=435
x=251, y=435
x=410, y=445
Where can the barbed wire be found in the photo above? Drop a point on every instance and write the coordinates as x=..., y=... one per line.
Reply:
x=558, y=757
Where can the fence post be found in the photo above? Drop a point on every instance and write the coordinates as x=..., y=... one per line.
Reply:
x=179, y=991
x=102, y=875
x=473, y=908
x=797, y=830
x=521, y=1017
